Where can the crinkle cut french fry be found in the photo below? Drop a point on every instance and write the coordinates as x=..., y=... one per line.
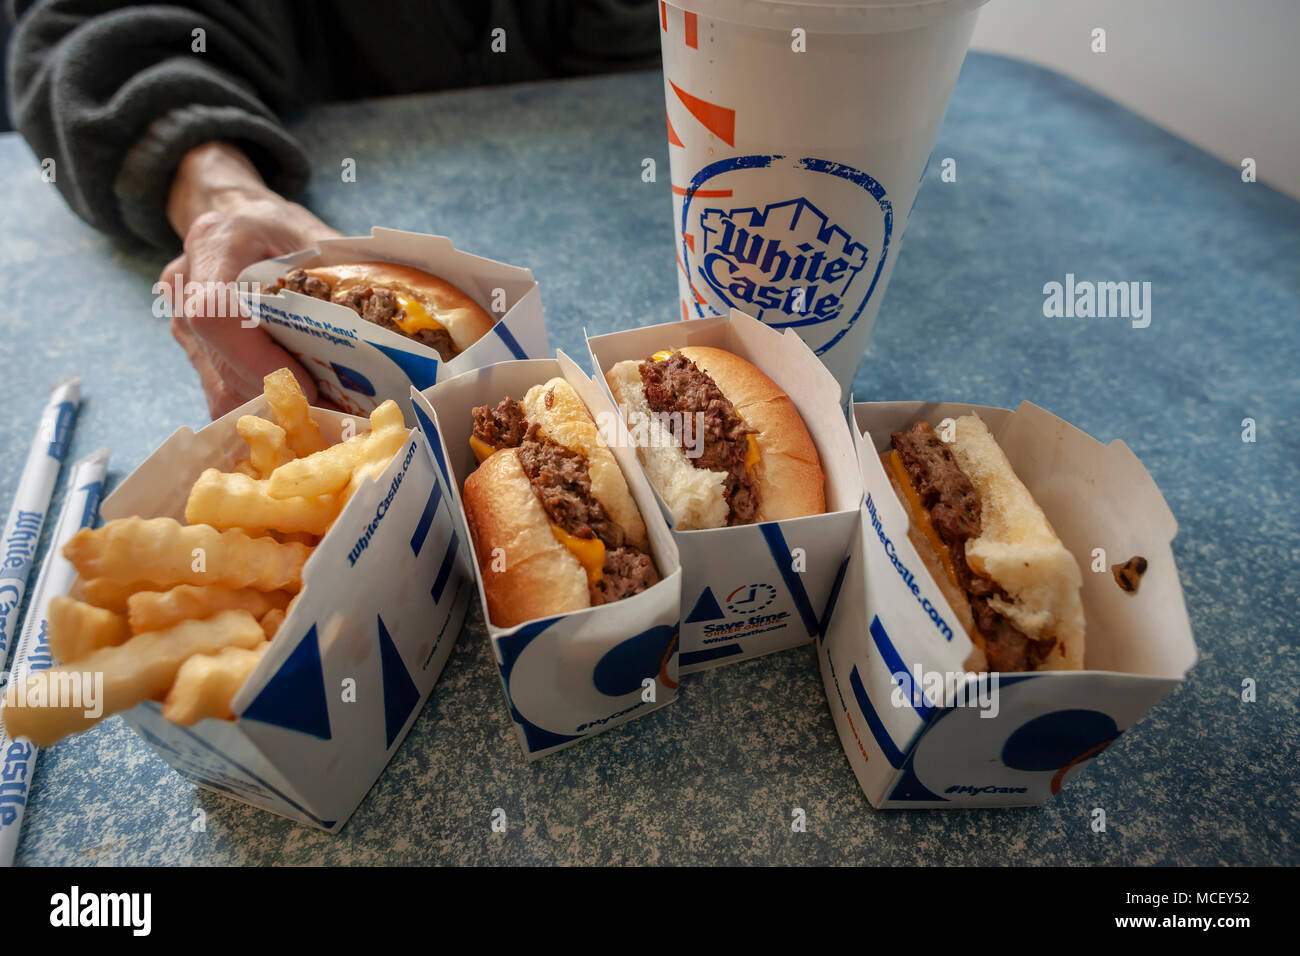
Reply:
x=155, y=610
x=144, y=668
x=268, y=445
x=321, y=473
x=368, y=469
x=207, y=683
x=163, y=552
x=271, y=621
x=102, y=592
x=328, y=471
x=226, y=500
x=388, y=432
x=77, y=629
x=290, y=410
x=387, y=417
x=301, y=537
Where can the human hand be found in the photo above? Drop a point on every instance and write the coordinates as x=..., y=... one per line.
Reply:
x=229, y=219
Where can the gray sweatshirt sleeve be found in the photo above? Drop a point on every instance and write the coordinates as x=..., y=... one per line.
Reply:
x=116, y=95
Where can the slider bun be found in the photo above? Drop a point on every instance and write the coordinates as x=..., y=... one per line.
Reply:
x=1018, y=549
x=566, y=421
x=541, y=577
x=693, y=495
x=462, y=317
x=789, y=475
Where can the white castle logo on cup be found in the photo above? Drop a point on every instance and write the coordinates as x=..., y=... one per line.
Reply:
x=787, y=258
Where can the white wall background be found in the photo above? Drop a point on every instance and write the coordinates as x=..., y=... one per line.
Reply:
x=1223, y=74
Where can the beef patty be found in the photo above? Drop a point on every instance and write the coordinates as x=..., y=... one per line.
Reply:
x=562, y=480
x=679, y=385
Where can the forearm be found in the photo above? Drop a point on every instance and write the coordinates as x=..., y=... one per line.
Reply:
x=213, y=177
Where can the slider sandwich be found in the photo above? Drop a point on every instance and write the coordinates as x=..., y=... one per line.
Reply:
x=555, y=527
x=990, y=549
x=402, y=299
x=720, y=441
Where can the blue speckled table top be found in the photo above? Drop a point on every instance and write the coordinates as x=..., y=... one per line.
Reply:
x=1051, y=179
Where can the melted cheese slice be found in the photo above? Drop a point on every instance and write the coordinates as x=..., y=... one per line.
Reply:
x=922, y=518
x=590, y=552
x=415, y=317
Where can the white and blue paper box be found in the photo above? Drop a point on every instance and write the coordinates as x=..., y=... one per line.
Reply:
x=754, y=589
x=918, y=731
x=357, y=364
x=569, y=677
x=356, y=657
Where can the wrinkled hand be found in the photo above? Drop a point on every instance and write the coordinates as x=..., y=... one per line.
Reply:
x=229, y=221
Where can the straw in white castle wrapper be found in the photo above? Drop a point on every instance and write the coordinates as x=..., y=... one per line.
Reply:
x=27, y=515
x=18, y=757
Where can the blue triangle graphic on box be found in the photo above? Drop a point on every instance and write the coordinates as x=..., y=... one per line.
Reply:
x=537, y=738
x=422, y=371
x=295, y=697
x=400, y=693
x=909, y=787
x=706, y=608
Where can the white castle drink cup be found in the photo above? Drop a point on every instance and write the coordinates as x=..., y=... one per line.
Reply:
x=798, y=134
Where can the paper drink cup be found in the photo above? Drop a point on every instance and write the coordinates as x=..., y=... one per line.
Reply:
x=798, y=136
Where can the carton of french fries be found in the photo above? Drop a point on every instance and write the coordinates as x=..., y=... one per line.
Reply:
x=356, y=363
x=268, y=603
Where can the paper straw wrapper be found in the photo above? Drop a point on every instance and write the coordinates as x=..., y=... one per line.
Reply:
x=22, y=530
x=80, y=510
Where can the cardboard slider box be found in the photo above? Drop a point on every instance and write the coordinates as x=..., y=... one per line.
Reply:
x=568, y=677
x=357, y=364
x=918, y=730
x=754, y=589
x=355, y=659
